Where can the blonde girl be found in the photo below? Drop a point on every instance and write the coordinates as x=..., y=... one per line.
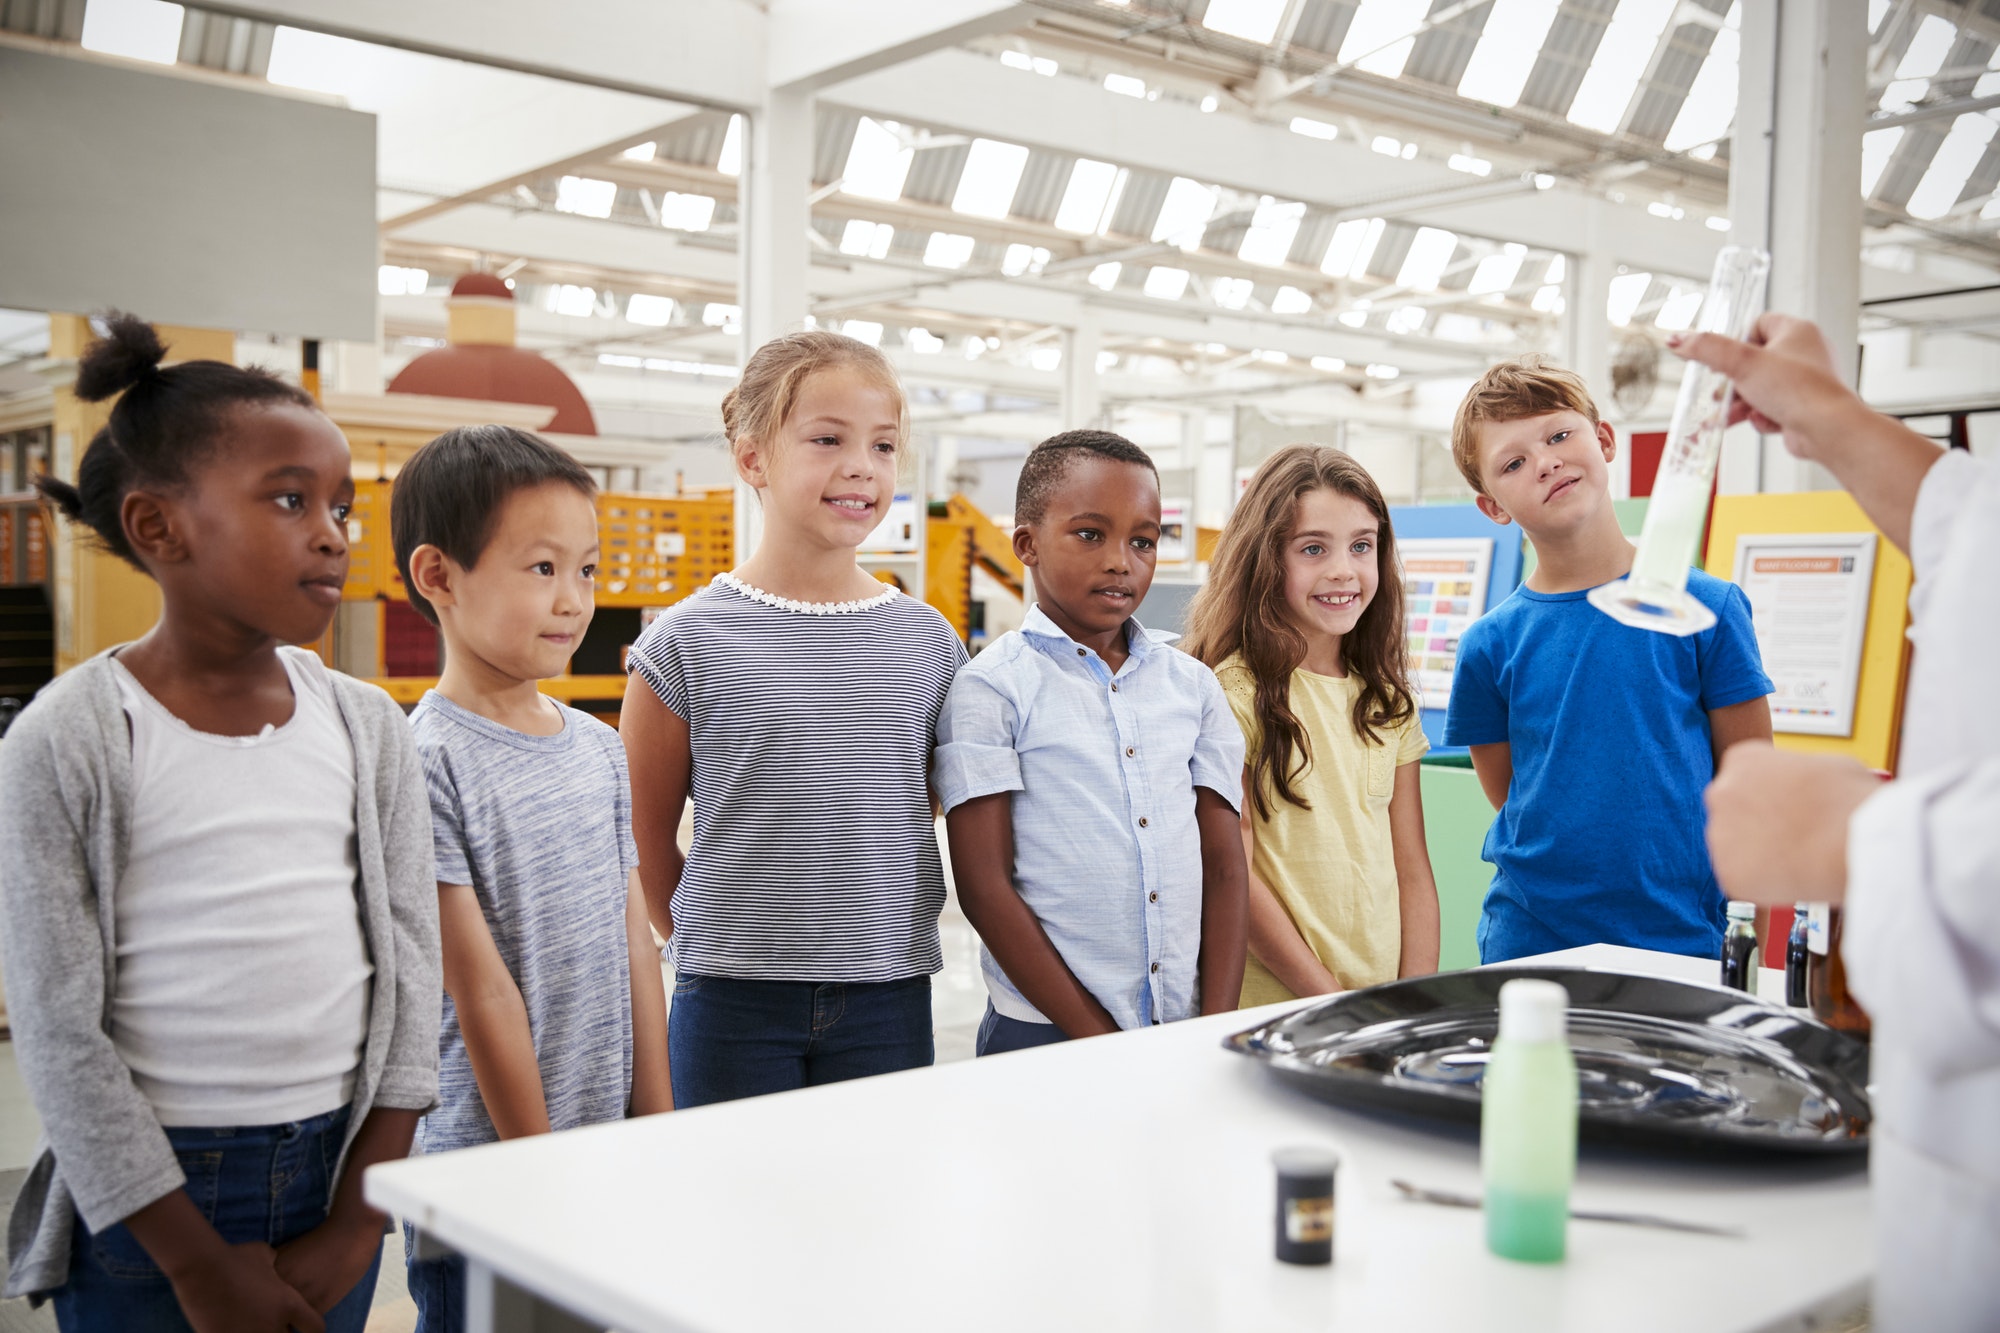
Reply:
x=793, y=701
x=1302, y=619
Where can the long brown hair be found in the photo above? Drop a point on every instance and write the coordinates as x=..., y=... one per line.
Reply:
x=1241, y=610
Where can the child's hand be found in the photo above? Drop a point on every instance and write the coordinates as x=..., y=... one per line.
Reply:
x=238, y=1290
x=326, y=1262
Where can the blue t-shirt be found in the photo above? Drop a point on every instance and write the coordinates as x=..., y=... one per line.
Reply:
x=540, y=828
x=1601, y=838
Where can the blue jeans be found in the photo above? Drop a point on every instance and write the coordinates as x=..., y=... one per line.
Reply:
x=729, y=1038
x=999, y=1034
x=438, y=1288
x=263, y=1182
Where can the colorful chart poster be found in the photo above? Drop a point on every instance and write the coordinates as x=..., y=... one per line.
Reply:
x=1176, y=546
x=1444, y=590
x=1809, y=596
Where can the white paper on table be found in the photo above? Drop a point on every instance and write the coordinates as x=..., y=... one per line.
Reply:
x=1809, y=595
x=1444, y=591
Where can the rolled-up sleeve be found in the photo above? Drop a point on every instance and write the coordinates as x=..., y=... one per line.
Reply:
x=976, y=734
x=1218, y=748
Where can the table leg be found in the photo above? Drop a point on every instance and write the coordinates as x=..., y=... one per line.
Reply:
x=495, y=1305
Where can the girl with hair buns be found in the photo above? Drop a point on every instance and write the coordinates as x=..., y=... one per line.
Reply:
x=794, y=701
x=215, y=869
x=1302, y=619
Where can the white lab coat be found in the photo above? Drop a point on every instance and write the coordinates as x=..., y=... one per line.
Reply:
x=1922, y=938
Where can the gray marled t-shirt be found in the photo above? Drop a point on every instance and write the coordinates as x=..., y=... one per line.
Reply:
x=541, y=828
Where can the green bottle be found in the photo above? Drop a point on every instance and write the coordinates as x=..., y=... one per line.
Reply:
x=1527, y=1124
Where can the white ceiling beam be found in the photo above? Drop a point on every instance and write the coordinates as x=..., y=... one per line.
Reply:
x=706, y=51
x=814, y=43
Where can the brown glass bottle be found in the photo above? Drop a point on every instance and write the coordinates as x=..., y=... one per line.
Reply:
x=1826, y=984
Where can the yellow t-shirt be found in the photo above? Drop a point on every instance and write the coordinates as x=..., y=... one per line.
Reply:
x=1332, y=866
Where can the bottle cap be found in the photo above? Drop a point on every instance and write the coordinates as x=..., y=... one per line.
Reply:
x=1305, y=1160
x=1742, y=911
x=1532, y=1010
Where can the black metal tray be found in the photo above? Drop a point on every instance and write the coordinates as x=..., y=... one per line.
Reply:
x=1664, y=1064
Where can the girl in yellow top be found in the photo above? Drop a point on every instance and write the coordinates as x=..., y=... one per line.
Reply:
x=1302, y=619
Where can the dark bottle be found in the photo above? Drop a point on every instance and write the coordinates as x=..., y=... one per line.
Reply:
x=1826, y=982
x=1797, y=952
x=1739, y=948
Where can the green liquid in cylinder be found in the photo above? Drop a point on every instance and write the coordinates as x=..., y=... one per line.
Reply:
x=1527, y=1227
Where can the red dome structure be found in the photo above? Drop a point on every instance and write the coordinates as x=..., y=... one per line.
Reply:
x=482, y=361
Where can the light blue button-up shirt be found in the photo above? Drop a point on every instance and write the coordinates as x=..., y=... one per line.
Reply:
x=1103, y=769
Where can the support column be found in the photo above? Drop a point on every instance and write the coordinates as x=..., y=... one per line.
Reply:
x=772, y=251
x=1081, y=404
x=1795, y=180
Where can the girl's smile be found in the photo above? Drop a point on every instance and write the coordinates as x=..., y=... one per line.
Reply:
x=1331, y=573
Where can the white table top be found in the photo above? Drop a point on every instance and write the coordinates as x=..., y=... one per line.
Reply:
x=1118, y=1183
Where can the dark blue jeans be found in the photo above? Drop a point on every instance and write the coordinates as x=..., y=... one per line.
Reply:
x=729, y=1038
x=438, y=1288
x=263, y=1182
x=999, y=1034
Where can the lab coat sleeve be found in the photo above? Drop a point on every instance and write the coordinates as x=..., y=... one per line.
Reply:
x=1922, y=940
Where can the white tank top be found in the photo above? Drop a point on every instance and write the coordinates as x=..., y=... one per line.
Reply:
x=243, y=973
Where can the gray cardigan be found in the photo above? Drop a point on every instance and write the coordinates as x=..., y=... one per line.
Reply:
x=65, y=817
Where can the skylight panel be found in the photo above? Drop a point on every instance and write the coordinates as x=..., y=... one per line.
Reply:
x=992, y=173
x=1045, y=358
x=1944, y=180
x=1352, y=247
x=1406, y=319
x=1087, y=200
x=686, y=212
x=586, y=197
x=1430, y=251
x=1033, y=64
x=1470, y=165
x=947, y=250
x=1378, y=370
x=1291, y=301
x=564, y=299
x=1167, y=284
x=878, y=162
x=1877, y=11
x=1105, y=276
x=925, y=342
x=1125, y=85
x=1252, y=20
x=1508, y=45
x=1021, y=259
x=1923, y=58
x=861, y=237
x=716, y=315
x=863, y=330
x=1549, y=300
x=1627, y=290
x=1496, y=272
x=652, y=311
x=1314, y=129
x=1272, y=227
x=1877, y=147
x=730, y=161
x=1373, y=36
x=1677, y=312
x=1332, y=365
x=392, y=280
x=1711, y=100
x=644, y=152
x=1231, y=293
x=1184, y=213
x=136, y=29
x=1612, y=80
x=1558, y=269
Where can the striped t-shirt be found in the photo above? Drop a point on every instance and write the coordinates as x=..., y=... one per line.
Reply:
x=814, y=856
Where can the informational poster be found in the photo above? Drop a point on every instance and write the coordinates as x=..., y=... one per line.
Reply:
x=901, y=531
x=1444, y=590
x=1809, y=603
x=1176, y=535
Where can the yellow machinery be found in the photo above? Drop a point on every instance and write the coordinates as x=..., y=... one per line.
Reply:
x=957, y=538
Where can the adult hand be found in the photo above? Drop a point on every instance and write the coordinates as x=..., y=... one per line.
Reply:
x=1784, y=376
x=237, y=1290
x=1777, y=823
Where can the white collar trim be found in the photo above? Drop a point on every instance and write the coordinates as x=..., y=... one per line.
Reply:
x=757, y=594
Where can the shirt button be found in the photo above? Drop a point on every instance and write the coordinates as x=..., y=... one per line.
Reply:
x=1153, y=897
x=1114, y=687
x=1142, y=821
x=1156, y=967
x=1079, y=652
x=1129, y=752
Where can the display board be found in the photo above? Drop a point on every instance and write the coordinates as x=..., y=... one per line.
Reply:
x=1444, y=591
x=1824, y=517
x=1457, y=523
x=1809, y=602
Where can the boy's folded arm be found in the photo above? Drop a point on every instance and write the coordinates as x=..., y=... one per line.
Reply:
x=1746, y=721
x=659, y=759
x=1494, y=764
x=492, y=1017
x=1224, y=900
x=981, y=834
